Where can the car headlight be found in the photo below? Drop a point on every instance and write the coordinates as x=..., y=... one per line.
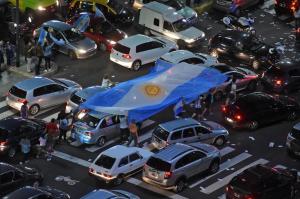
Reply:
x=189, y=40
x=111, y=42
x=96, y=46
x=40, y=8
x=125, y=35
x=81, y=51
x=57, y=2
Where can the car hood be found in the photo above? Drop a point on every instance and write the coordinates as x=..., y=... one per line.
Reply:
x=130, y=195
x=187, y=12
x=82, y=126
x=214, y=125
x=85, y=44
x=55, y=192
x=192, y=33
x=69, y=83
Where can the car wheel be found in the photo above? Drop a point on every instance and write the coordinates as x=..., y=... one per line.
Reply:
x=214, y=53
x=214, y=166
x=253, y=125
x=255, y=64
x=147, y=32
x=292, y=116
x=136, y=65
x=218, y=96
x=34, y=109
x=101, y=141
x=179, y=186
x=290, y=152
x=12, y=152
x=36, y=184
x=252, y=86
x=102, y=47
x=72, y=55
x=219, y=141
x=119, y=180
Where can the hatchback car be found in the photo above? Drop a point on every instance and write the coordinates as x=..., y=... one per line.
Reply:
x=293, y=140
x=41, y=93
x=75, y=44
x=225, y=5
x=172, y=166
x=93, y=127
x=37, y=193
x=12, y=129
x=262, y=182
x=12, y=178
x=256, y=109
x=100, y=30
x=242, y=46
x=110, y=194
x=188, y=130
x=119, y=162
x=137, y=50
x=284, y=77
x=81, y=96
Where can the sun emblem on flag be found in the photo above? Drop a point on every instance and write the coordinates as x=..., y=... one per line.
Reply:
x=152, y=90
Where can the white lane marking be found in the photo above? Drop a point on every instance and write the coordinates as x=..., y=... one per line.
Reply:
x=279, y=166
x=224, y=181
x=267, y=4
x=133, y=181
x=48, y=118
x=155, y=189
x=226, y=150
x=3, y=103
x=222, y=197
x=229, y=163
x=76, y=143
x=7, y=113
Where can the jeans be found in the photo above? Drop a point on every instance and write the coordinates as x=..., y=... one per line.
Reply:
x=28, y=65
x=62, y=133
x=47, y=63
x=133, y=138
x=25, y=156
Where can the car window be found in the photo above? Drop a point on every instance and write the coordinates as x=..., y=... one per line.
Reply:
x=105, y=161
x=176, y=135
x=17, y=92
x=223, y=68
x=156, y=44
x=116, y=119
x=156, y=22
x=122, y=49
x=55, y=88
x=185, y=160
x=40, y=91
x=193, y=61
x=44, y=196
x=202, y=130
x=196, y=155
x=6, y=177
x=123, y=161
x=168, y=26
x=294, y=73
x=134, y=157
x=108, y=121
x=143, y=47
x=236, y=75
x=56, y=34
x=188, y=133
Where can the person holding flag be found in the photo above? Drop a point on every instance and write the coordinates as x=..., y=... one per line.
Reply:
x=82, y=22
x=181, y=109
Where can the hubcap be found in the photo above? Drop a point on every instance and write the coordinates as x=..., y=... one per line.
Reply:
x=136, y=65
x=180, y=186
x=214, y=53
x=220, y=141
x=255, y=65
x=253, y=125
x=36, y=184
x=292, y=116
x=101, y=141
x=34, y=110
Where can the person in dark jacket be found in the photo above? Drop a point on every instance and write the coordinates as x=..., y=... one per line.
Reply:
x=9, y=54
x=1, y=60
x=24, y=110
x=40, y=55
x=47, y=55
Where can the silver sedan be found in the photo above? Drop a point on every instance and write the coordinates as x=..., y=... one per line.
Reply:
x=41, y=93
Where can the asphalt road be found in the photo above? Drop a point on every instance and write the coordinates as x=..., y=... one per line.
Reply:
x=243, y=149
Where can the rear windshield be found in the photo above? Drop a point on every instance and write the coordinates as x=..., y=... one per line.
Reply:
x=3, y=134
x=296, y=133
x=275, y=72
x=77, y=100
x=249, y=183
x=122, y=49
x=105, y=161
x=161, y=133
x=159, y=164
x=90, y=120
x=17, y=92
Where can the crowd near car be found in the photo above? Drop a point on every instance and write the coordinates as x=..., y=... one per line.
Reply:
x=181, y=149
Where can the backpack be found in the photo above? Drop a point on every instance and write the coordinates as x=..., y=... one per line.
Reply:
x=63, y=124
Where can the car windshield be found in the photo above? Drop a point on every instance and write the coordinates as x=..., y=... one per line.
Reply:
x=119, y=194
x=3, y=134
x=158, y=164
x=180, y=25
x=106, y=27
x=296, y=133
x=122, y=49
x=249, y=182
x=161, y=133
x=73, y=36
x=115, y=5
x=105, y=161
x=90, y=120
x=76, y=99
x=178, y=5
x=17, y=92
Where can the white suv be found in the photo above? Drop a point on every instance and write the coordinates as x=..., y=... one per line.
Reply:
x=137, y=50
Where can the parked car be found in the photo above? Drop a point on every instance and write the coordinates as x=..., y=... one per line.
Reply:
x=112, y=194
x=293, y=140
x=12, y=178
x=100, y=30
x=286, y=7
x=172, y=166
x=179, y=56
x=284, y=77
x=41, y=93
x=242, y=46
x=74, y=43
x=119, y=162
x=12, y=129
x=93, y=127
x=159, y=19
x=81, y=96
x=262, y=182
x=258, y=108
x=137, y=50
x=188, y=130
x=114, y=10
x=37, y=193
x=225, y=5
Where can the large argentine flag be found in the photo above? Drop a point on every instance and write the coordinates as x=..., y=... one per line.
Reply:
x=147, y=95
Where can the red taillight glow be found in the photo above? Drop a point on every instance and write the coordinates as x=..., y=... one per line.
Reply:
x=91, y=170
x=238, y=117
x=278, y=82
x=168, y=174
x=223, y=108
x=248, y=197
x=126, y=56
x=3, y=143
x=228, y=188
x=22, y=100
x=89, y=134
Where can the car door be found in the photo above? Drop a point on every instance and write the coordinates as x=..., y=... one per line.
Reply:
x=57, y=35
x=123, y=166
x=19, y=179
x=175, y=137
x=276, y=188
x=110, y=127
x=144, y=52
x=157, y=50
x=188, y=135
x=294, y=79
x=56, y=94
x=279, y=110
x=203, y=134
x=39, y=96
x=31, y=131
x=135, y=162
x=7, y=184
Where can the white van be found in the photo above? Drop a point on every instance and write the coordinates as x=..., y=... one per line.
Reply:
x=159, y=19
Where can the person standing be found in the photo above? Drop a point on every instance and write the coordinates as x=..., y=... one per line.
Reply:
x=25, y=148
x=47, y=55
x=41, y=145
x=9, y=54
x=29, y=50
x=198, y=108
x=123, y=128
x=63, y=128
x=52, y=132
x=24, y=110
x=133, y=130
x=209, y=100
x=63, y=8
x=1, y=60
x=106, y=82
x=40, y=55
x=231, y=92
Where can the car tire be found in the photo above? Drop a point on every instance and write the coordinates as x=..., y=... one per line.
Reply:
x=214, y=166
x=12, y=152
x=218, y=96
x=292, y=116
x=214, y=53
x=290, y=152
x=101, y=141
x=219, y=141
x=36, y=184
x=180, y=185
x=102, y=47
x=119, y=180
x=253, y=125
x=255, y=64
x=136, y=65
x=147, y=32
x=285, y=91
x=252, y=86
x=72, y=55
x=34, y=109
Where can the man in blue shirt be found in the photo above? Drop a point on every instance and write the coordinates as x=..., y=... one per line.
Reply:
x=24, y=110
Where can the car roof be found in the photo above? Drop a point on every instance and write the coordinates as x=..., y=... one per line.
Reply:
x=12, y=123
x=173, y=151
x=260, y=171
x=178, y=55
x=24, y=192
x=57, y=25
x=32, y=83
x=101, y=193
x=4, y=167
x=234, y=34
x=255, y=97
x=119, y=151
x=135, y=40
x=179, y=123
x=90, y=91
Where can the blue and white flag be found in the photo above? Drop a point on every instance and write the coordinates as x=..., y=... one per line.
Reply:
x=82, y=22
x=42, y=36
x=60, y=42
x=99, y=13
x=148, y=95
x=178, y=108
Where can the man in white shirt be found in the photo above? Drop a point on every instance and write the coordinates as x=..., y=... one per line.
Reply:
x=124, y=133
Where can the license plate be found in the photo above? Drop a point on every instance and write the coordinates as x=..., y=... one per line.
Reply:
x=229, y=120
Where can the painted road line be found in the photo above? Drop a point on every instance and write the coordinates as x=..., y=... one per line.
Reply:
x=8, y=113
x=229, y=163
x=2, y=104
x=222, y=197
x=48, y=118
x=226, y=150
x=155, y=189
x=222, y=182
x=134, y=181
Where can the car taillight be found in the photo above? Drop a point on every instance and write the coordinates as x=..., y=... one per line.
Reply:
x=249, y=197
x=22, y=100
x=224, y=109
x=112, y=50
x=126, y=56
x=168, y=174
x=278, y=82
x=88, y=134
x=3, y=143
x=228, y=188
x=294, y=5
x=238, y=117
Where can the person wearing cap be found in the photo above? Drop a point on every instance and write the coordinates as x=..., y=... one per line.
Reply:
x=24, y=110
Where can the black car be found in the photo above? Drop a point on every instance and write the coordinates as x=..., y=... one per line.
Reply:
x=293, y=140
x=283, y=77
x=243, y=46
x=12, y=178
x=37, y=193
x=286, y=7
x=12, y=129
x=258, y=108
x=262, y=182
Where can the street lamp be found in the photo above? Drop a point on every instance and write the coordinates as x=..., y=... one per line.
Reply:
x=17, y=34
